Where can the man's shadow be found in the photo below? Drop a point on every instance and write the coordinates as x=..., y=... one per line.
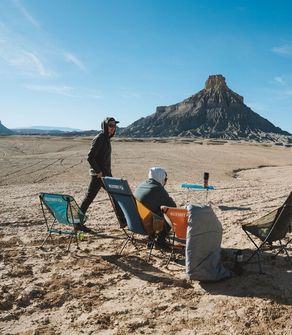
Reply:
x=103, y=235
x=273, y=284
x=144, y=270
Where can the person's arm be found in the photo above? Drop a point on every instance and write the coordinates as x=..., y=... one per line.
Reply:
x=167, y=200
x=96, y=146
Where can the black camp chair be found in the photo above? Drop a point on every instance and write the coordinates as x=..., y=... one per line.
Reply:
x=65, y=214
x=139, y=219
x=270, y=228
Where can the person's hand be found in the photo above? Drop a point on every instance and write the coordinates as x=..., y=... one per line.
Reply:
x=99, y=175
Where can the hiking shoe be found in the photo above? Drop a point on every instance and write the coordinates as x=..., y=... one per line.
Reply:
x=81, y=227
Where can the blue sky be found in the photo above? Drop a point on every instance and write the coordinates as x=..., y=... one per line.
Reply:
x=70, y=63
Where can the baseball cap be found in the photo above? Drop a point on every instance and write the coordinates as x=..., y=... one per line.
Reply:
x=111, y=119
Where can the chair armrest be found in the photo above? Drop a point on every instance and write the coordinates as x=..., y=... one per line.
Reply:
x=163, y=209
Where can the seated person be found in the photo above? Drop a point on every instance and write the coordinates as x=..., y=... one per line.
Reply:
x=152, y=194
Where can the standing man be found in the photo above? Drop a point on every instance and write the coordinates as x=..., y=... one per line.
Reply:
x=99, y=158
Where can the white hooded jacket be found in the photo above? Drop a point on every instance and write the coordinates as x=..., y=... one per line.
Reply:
x=158, y=174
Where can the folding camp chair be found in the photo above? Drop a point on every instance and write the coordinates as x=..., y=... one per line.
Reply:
x=272, y=227
x=177, y=218
x=139, y=219
x=65, y=215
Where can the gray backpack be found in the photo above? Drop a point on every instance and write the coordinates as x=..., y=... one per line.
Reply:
x=203, y=246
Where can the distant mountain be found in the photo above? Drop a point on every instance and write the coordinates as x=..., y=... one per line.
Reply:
x=46, y=128
x=214, y=112
x=55, y=128
x=53, y=132
x=56, y=131
x=31, y=131
x=4, y=130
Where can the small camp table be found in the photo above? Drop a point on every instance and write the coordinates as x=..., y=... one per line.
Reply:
x=198, y=188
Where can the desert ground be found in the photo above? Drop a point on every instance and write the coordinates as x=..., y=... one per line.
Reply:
x=93, y=290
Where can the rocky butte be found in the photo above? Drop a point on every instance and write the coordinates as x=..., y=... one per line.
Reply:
x=214, y=112
x=4, y=130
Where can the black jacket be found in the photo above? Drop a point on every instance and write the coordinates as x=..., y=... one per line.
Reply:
x=99, y=156
x=153, y=195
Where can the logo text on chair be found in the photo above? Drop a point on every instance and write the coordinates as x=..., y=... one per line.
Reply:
x=117, y=187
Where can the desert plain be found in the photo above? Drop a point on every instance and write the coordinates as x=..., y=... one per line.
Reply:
x=93, y=290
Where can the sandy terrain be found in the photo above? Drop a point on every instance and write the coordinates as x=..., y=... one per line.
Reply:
x=92, y=290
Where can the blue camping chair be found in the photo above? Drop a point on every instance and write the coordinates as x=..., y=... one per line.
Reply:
x=139, y=219
x=65, y=215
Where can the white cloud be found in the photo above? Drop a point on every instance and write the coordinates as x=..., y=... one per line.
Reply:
x=31, y=54
x=128, y=93
x=285, y=50
x=68, y=91
x=21, y=54
x=91, y=93
x=69, y=57
x=26, y=62
x=280, y=80
x=61, y=90
x=35, y=63
x=288, y=93
x=280, y=94
x=26, y=14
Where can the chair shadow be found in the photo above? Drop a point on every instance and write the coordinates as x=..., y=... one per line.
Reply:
x=104, y=235
x=144, y=270
x=274, y=283
x=233, y=208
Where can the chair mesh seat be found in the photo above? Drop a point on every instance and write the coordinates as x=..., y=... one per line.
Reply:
x=64, y=213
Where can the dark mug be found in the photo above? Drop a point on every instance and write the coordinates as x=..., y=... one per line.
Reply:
x=206, y=179
x=238, y=263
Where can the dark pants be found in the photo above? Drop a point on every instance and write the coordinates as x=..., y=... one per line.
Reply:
x=164, y=232
x=94, y=186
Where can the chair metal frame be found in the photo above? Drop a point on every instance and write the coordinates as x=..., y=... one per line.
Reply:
x=272, y=221
x=119, y=191
x=70, y=220
x=177, y=218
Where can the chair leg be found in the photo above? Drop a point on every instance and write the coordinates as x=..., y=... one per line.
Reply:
x=283, y=248
x=130, y=238
x=77, y=242
x=70, y=241
x=124, y=245
x=172, y=254
x=72, y=236
x=170, y=257
x=134, y=243
x=151, y=248
x=45, y=240
x=259, y=263
x=256, y=253
x=48, y=230
x=257, y=247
